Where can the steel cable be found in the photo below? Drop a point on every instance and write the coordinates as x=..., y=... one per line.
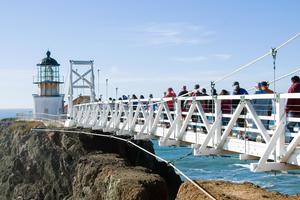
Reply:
x=258, y=59
x=137, y=146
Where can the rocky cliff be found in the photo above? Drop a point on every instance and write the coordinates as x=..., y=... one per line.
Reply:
x=53, y=165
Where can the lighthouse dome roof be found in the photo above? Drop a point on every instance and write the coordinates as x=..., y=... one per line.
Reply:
x=48, y=61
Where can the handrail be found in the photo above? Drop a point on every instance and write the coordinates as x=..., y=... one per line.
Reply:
x=220, y=97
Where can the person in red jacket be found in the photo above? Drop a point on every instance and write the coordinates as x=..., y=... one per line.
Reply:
x=170, y=93
x=293, y=105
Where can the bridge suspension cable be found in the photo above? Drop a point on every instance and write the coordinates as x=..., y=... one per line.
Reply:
x=280, y=78
x=242, y=67
x=137, y=146
x=251, y=63
x=257, y=59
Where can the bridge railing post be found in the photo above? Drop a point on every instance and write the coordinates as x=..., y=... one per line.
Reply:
x=86, y=115
x=118, y=114
x=93, y=116
x=218, y=112
x=115, y=114
x=79, y=114
x=279, y=116
x=75, y=113
x=99, y=114
x=83, y=115
x=178, y=112
x=130, y=113
x=150, y=109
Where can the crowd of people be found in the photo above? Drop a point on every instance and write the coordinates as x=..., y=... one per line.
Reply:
x=263, y=107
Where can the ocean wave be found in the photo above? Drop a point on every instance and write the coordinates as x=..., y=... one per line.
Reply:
x=197, y=170
x=265, y=185
x=242, y=165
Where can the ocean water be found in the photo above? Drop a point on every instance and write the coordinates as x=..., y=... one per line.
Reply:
x=11, y=113
x=228, y=168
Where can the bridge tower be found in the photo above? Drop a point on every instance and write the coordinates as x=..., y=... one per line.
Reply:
x=86, y=76
x=48, y=100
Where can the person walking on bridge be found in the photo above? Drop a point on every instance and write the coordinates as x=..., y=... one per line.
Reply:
x=196, y=91
x=135, y=101
x=293, y=105
x=225, y=107
x=269, y=106
x=183, y=93
x=196, y=118
x=239, y=91
x=206, y=104
x=265, y=87
x=261, y=106
x=170, y=103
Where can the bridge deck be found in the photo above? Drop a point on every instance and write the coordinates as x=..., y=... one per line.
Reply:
x=254, y=126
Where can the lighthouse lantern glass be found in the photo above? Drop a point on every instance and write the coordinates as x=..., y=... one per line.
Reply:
x=48, y=73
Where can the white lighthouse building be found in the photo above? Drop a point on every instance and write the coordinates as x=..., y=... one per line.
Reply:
x=48, y=100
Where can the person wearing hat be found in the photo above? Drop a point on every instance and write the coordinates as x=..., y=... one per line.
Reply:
x=265, y=87
x=259, y=89
x=269, y=105
x=263, y=107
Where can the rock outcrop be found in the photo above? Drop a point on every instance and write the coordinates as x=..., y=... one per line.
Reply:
x=52, y=165
x=107, y=176
x=223, y=190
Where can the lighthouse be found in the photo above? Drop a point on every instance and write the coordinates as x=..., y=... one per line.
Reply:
x=48, y=100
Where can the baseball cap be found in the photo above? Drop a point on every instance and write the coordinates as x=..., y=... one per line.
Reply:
x=264, y=83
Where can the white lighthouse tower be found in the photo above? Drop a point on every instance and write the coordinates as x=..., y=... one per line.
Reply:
x=48, y=100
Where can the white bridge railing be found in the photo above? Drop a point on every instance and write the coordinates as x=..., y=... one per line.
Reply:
x=253, y=126
x=56, y=119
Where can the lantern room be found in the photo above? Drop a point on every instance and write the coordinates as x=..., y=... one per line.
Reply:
x=48, y=79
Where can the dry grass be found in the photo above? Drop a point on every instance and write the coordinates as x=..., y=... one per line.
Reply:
x=25, y=126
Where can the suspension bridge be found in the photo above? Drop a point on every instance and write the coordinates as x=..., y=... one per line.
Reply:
x=202, y=123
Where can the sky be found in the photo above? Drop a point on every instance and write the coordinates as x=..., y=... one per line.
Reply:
x=144, y=47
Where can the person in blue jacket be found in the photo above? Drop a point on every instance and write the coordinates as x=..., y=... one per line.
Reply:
x=239, y=91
